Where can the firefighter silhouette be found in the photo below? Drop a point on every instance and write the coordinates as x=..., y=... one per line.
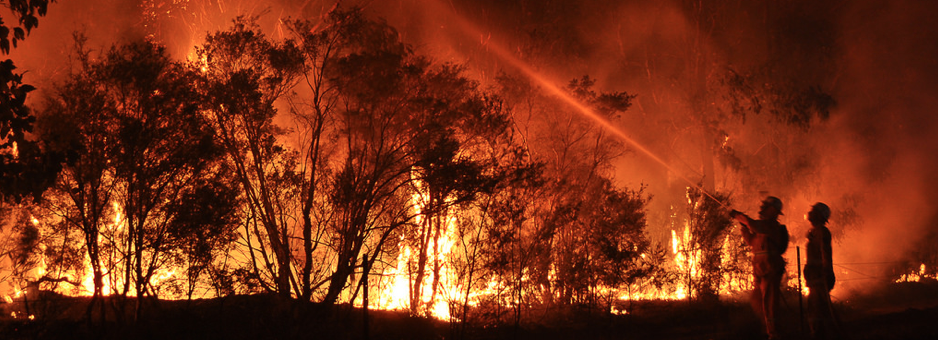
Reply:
x=819, y=274
x=768, y=240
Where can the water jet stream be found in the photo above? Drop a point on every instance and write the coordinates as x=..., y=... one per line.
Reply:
x=470, y=30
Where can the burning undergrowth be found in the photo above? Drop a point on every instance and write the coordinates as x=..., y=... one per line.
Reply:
x=328, y=160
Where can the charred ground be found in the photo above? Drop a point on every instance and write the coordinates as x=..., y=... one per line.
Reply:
x=896, y=311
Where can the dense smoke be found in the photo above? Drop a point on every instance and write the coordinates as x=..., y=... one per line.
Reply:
x=886, y=124
x=871, y=160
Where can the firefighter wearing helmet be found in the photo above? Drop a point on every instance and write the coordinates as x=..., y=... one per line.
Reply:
x=768, y=240
x=819, y=273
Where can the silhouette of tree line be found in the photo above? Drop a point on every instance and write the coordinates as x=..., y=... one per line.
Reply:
x=286, y=166
x=299, y=167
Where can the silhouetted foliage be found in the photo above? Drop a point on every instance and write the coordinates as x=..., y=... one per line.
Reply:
x=790, y=104
x=580, y=236
x=27, y=12
x=80, y=125
x=141, y=150
x=203, y=225
x=406, y=125
x=709, y=226
x=26, y=170
x=243, y=74
x=183, y=178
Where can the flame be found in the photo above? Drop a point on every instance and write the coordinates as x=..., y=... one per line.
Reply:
x=917, y=276
x=685, y=259
x=202, y=61
x=393, y=286
x=16, y=315
x=395, y=290
x=396, y=294
x=87, y=282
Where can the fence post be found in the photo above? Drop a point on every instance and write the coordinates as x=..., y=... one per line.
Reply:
x=366, y=267
x=800, y=303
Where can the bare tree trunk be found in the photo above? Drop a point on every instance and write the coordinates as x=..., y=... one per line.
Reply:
x=366, y=267
x=422, y=258
x=347, y=257
x=437, y=265
x=311, y=185
x=306, y=290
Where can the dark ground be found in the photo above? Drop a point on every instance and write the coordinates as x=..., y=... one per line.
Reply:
x=900, y=311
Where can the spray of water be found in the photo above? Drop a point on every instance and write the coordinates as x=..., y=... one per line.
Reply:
x=470, y=30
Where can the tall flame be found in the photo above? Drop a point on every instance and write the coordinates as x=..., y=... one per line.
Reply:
x=395, y=294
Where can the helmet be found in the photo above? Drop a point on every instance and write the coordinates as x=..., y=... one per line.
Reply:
x=774, y=202
x=819, y=211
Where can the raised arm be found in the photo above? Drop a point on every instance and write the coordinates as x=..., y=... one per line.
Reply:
x=746, y=222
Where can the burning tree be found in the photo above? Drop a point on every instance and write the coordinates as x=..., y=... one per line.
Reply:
x=396, y=165
x=143, y=156
x=378, y=126
x=408, y=130
x=85, y=191
x=314, y=113
x=705, y=264
x=19, y=248
x=581, y=238
x=165, y=148
x=616, y=244
x=487, y=228
x=243, y=73
x=27, y=167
